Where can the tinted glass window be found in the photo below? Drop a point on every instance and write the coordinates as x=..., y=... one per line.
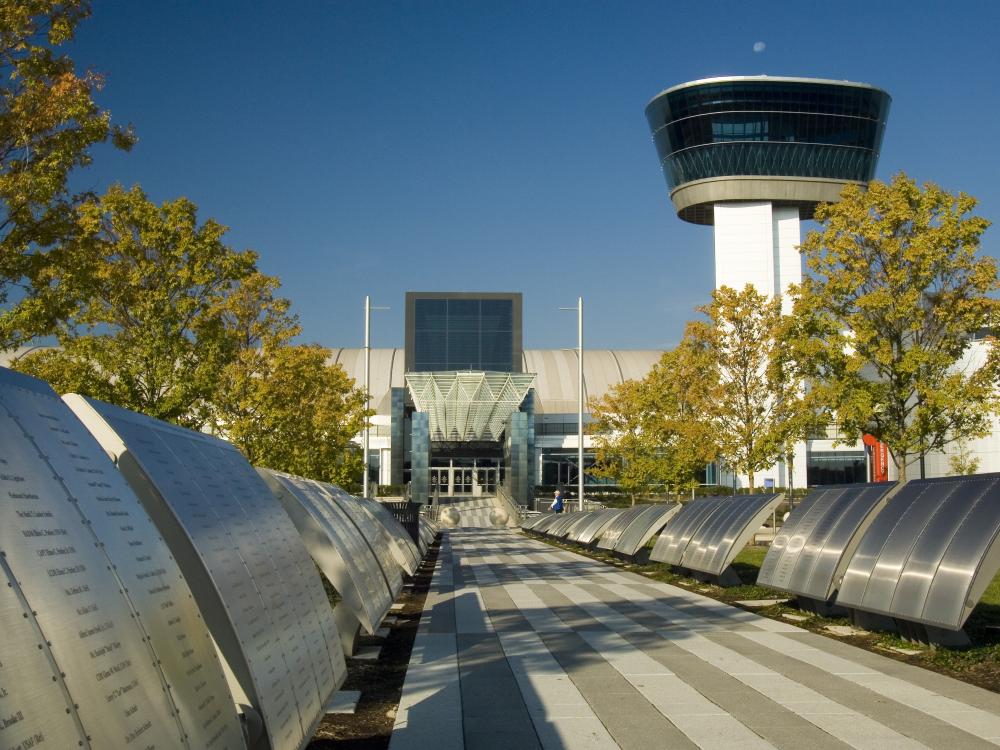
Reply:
x=768, y=128
x=463, y=334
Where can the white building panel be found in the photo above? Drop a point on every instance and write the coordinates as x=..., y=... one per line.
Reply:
x=787, y=261
x=744, y=246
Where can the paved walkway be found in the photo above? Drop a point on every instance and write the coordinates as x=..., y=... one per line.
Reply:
x=525, y=646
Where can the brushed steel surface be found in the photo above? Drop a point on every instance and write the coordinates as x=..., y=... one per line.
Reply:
x=726, y=531
x=573, y=534
x=402, y=547
x=676, y=535
x=546, y=520
x=561, y=526
x=336, y=545
x=68, y=583
x=372, y=532
x=163, y=603
x=814, y=545
x=309, y=615
x=613, y=531
x=427, y=534
x=642, y=529
x=531, y=522
x=597, y=524
x=928, y=556
x=253, y=580
x=35, y=706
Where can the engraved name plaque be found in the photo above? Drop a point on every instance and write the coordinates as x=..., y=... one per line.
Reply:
x=930, y=554
x=77, y=581
x=251, y=577
x=816, y=542
x=642, y=529
x=372, y=531
x=403, y=549
x=35, y=706
x=336, y=545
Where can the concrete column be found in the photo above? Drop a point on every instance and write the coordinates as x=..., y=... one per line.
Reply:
x=757, y=243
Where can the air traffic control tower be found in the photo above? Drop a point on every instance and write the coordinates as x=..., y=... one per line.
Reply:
x=753, y=155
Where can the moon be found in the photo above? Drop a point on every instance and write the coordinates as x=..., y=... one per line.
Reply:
x=759, y=47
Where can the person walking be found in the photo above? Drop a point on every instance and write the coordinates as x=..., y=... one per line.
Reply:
x=557, y=502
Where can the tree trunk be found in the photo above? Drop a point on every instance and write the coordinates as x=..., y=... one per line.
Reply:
x=750, y=481
x=900, y=468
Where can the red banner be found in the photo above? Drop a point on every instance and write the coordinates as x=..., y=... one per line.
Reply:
x=879, y=453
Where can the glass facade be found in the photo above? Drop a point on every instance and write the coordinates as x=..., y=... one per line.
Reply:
x=835, y=467
x=463, y=334
x=769, y=128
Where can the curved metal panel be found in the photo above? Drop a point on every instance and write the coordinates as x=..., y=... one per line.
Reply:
x=547, y=520
x=561, y=527
x=336, y=545
x=676, y=535
x=810, y=553
x=371, y=531
x=597, y=524
x=930, y=554
x=555, y=527
x=529, y=523
x=163, y=604
x=427, y=532
x=726, y=531
x=641, y=530
x=614, y=530
x=79, y=604
x=574, y=531
x=243, y=559
x=403, y=549
x=35, y=706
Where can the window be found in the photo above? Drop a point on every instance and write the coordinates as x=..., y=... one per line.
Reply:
x=463, y=334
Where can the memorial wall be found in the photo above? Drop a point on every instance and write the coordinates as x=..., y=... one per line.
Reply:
x=103, y=644
x=337, y=546
x=253, y=579
x=810, y=553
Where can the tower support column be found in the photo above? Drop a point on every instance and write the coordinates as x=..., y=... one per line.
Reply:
x=757, y=243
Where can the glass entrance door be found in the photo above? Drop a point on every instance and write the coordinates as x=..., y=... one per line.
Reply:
x=473, y=480
x=486, y=481
x=461, y=481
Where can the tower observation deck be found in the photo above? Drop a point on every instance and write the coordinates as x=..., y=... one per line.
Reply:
x=752, y=155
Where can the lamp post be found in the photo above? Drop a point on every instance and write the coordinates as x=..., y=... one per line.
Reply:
x=579, y=395
x=368, y=397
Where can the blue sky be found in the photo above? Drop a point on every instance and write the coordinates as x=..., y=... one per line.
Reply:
x=379, y=147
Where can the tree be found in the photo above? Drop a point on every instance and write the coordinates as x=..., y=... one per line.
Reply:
x=962, y=461
x=143, y=294
x=797, y=409
x=895, y=290
x=287, y=409
x=752, y=402
x=680, y=395
x=652, y=432
x=626, y=447
x=48, y=123
x=282, y=405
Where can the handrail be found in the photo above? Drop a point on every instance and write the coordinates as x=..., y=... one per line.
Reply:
x=506, y=501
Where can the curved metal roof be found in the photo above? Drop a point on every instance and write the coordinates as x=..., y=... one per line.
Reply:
x=555, y=370
x=767, y=79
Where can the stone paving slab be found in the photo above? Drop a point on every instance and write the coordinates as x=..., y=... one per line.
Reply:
x=525, y=646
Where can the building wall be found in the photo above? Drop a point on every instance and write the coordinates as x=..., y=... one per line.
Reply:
x=757, y=243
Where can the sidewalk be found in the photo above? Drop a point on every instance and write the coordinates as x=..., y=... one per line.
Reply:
x=525, y=646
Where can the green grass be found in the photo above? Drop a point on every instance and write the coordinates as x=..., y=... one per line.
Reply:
x=992, y=594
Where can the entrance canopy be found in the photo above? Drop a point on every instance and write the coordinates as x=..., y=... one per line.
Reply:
x=468, y=405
